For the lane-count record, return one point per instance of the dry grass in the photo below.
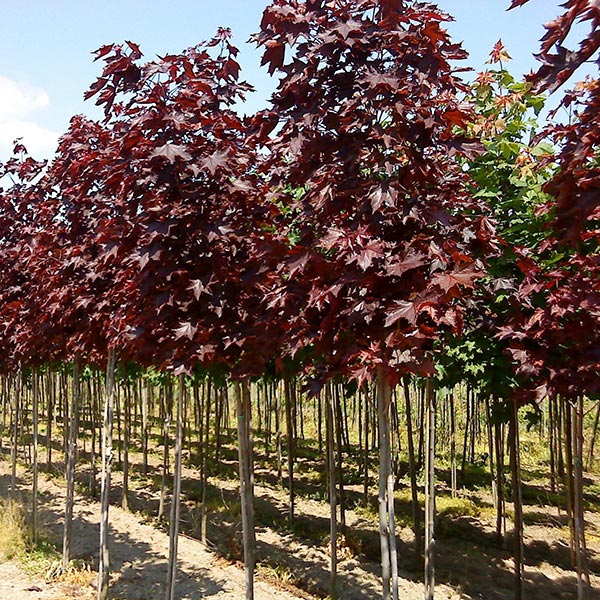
(14, 534)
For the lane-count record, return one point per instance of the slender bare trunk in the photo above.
(35, 374)
(515, 462)
(385, 470)
(175, 503)
(290, 446)
(430, 492)
(412, 468)
(242, 394)
(107, 458)
(330, 443)
(70, 465)
(205, 464)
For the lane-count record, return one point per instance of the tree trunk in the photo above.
(330, 443)
(107, 457)
(126, 440)
(590, 457)
(515, 463)
(35, 375)
(340, 457)
(453, 474)
(412, 467)
(290, 446)
(583, 576)
(384, 398)
(51, 388)
(175, 503)
(367, 412)
(242, 394)
(205, 464)
(70, 465)
(430, 492)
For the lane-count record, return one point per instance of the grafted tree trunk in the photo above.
(70, 465)
(107, 458)
(242, 396)
(175, 503)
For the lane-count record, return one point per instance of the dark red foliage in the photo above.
(366, 110)
(152, 230)
(554, 337)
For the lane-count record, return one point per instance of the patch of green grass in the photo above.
(456, 507)
(39, 560)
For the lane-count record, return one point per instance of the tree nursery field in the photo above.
(346, 347)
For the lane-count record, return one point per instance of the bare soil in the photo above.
(293, 561)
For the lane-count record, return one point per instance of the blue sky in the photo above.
(46, 65)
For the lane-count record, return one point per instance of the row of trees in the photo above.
(383, 219)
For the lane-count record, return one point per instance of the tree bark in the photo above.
(70, 465)
(330, 443)
(515, 462)
(175, 503)
(412, 467)
(35, 375)
(384, 398)
(107, 458)
(290, 446)
(242, 394)
(430, 492)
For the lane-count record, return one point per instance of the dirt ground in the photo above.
(291, 564)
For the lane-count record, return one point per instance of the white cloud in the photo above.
(17, 101)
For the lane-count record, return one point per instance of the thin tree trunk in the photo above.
(453, 474)
(242, 394)
(290, 446)
(412, 468)
(107, 458)
(165, 463)
(367, 412)
(515, 462)
(340, 459)
(430, 493)
(583, 577)
(205, 464)
(552, 446)
(49, 418)
(15, 402)
(126, 440)
(175, 503)
(385, 471)
(70, 465)
(569, 479)
(590, 457)
(35, 374)
(145, 429)
(499, 445)
(330, 443)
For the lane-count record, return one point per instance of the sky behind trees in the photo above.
(46, 65)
